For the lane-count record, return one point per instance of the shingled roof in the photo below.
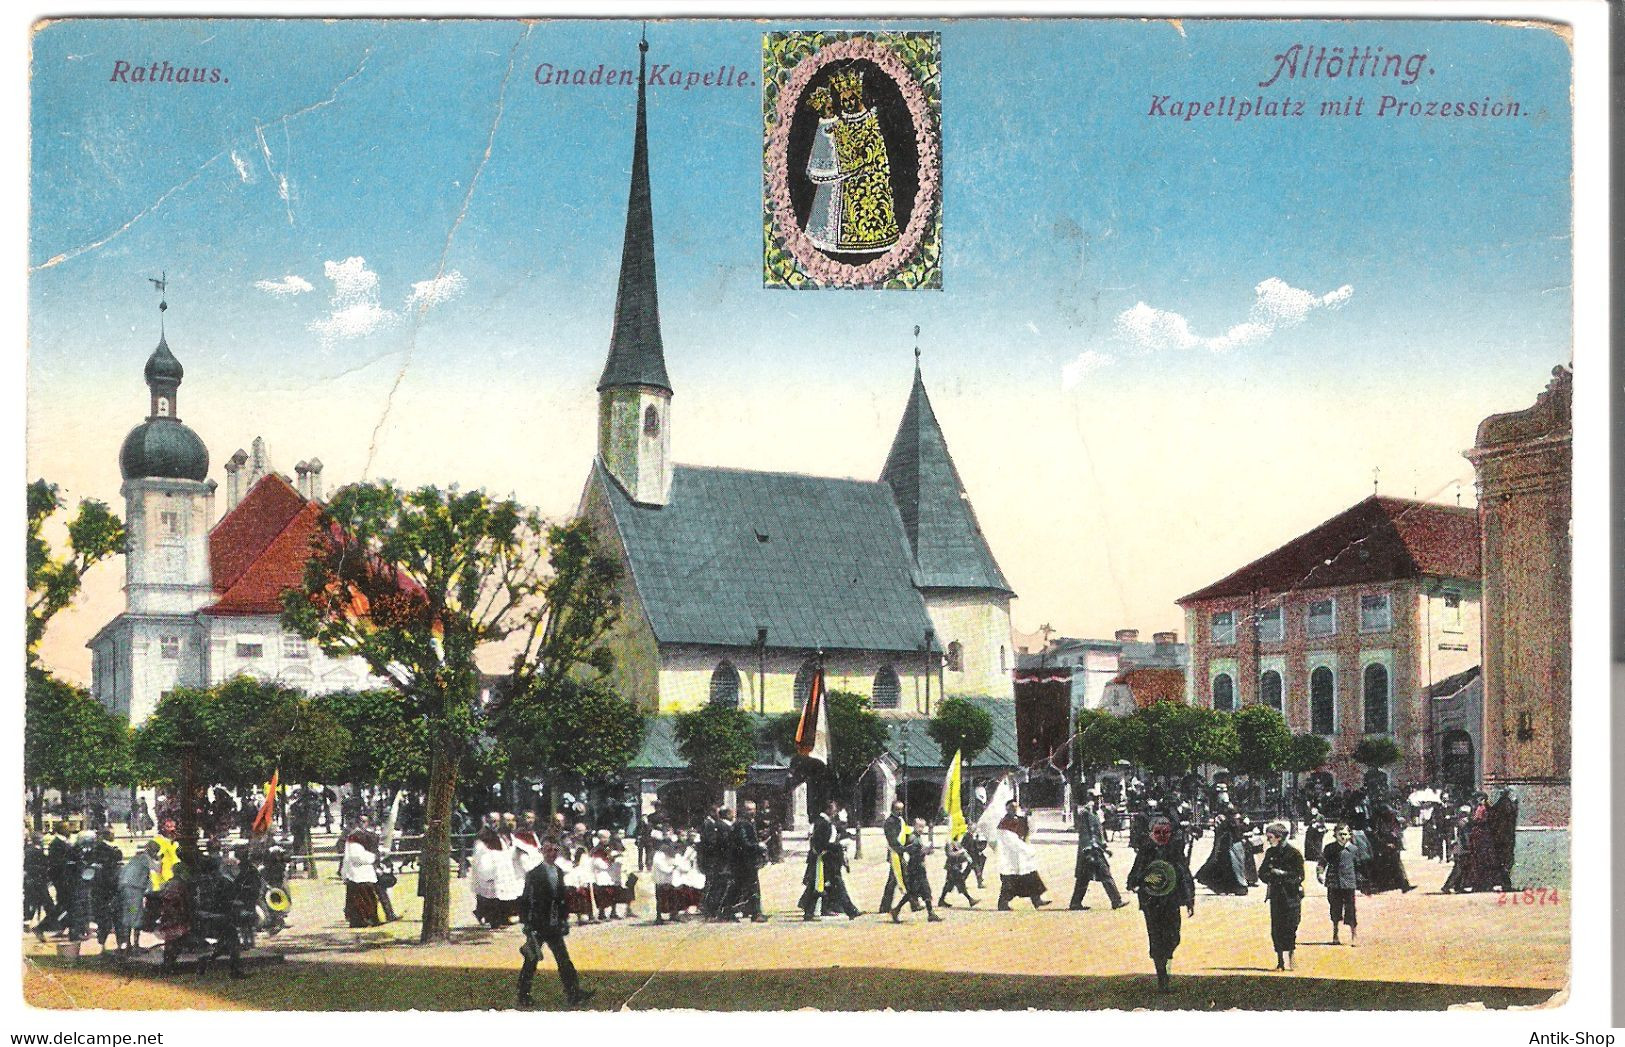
(1378, 540)
(258, 550)
(821, 562)
(947, 543)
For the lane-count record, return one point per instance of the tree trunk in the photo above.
(39, 808)
(434, 865)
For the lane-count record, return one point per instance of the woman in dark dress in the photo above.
(1282, 873)
(1314, 835)
(1225, 871)
(1386, 871)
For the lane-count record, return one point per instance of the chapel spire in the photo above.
(949, 549)
(634, 395)
(636, 355)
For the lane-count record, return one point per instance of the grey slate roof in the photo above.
(659, 751)
(636, 356)
(946, 540)
(821, 562)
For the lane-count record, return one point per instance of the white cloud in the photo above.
(1276, 305)
(426, 294)
(286, 287)
(1088, 362)
(243, 170)
(355, 303)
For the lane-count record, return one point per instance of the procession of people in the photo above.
(554, 872)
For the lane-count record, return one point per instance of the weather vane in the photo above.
(161, 283)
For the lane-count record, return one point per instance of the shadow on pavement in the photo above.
(312, 985)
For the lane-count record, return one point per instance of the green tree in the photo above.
(1176, 737)
(94, 534)
(961, 726)
(385, 746)
(1221, 741)
(70, 742)
(719, 744)
(1264, 742)
(585, 732)
(417, 584)
(1376, 751)
(1309, 753)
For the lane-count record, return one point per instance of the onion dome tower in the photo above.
(169, 501)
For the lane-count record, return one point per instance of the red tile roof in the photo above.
(1150, 686)
(258, 549)
(1380, 539)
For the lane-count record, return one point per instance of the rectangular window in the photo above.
(169, 647)
(250, 647)
(1376, 613)
(169, 523)
(1270, 624)
(1452, 611)
(1323, 618)
(1222, 627)
(295, 647)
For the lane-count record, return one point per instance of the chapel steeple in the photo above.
(634, 394)
(949, 549)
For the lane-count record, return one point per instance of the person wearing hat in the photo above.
(1282, 873)
(1091, 861)
(825, 878)
(1162, 878)
(1339, 870)
(134, 881)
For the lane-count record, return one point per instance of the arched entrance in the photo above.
(876, 792)
(1456, 764)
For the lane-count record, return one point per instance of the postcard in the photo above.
(753, 514)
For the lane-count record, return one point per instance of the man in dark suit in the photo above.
(1092, 863)
(894, 827)
(710, 858)
(748, 854)
(825, 878)
(544, 910)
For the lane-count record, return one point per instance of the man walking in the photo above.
(1091, 862)
(748, 855)
(896, 829)
(544, 910)
(825, 879)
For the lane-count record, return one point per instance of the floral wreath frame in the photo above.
(911, 60)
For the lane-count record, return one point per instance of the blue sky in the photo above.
(1065, 206)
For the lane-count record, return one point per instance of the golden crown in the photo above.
(847, 81)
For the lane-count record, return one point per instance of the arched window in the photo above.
(725, 685)
(804, 681)
(956, 657)
(1322, 701)
(887, 689)
(651, 421)
(1376, 698)
(1269, 690)
(1224, 693)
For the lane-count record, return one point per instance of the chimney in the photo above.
(1165, 639)
(234, 479)
(1128, 635)
(315, 468)
(302, 471)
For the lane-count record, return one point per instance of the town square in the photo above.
(909, 560)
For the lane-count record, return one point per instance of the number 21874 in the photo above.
(1530, 896)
